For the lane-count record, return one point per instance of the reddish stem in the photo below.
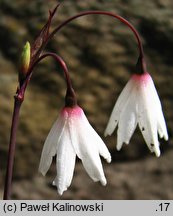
(70, 91)
(70, 99)
(11, 152)
(62, 64)
(127, 23)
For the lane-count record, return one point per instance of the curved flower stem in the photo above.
(11, 152)
(62, 64)
(58, 59)
(70, 99)
(127, 23)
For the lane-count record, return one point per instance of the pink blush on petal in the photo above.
(72, 111)
(141, 79)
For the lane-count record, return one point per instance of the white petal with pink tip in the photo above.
(138, 104)
(72, 135)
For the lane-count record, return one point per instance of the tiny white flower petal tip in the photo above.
(138, 104)
(72, 135)
(102, 180)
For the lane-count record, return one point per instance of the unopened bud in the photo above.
(25, 61)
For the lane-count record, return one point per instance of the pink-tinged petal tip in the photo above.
(72, 111)
(75, 137)
(141, 78)
(138, 104)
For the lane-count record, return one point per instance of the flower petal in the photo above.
(161, 124)
(65, 162)
(49, 148)
(86, 145)
(162, 130)
(121, 101)
(147, 116)
(103, 151)
(128, 120)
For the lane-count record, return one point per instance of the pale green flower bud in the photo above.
(25, 61)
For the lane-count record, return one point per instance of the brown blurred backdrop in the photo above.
(100, 53)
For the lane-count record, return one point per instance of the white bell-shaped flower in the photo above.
(139, 104)
(72, 135)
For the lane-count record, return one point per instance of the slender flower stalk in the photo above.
(141, 60)
(11, 153)
(70, 91)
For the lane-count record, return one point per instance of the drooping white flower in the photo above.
(139, 104)
(72, 135)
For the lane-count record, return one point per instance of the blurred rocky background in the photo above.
(101, 53)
